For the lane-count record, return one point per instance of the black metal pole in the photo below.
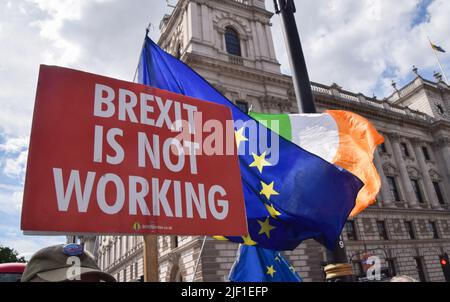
(302, 85)
(305, 100)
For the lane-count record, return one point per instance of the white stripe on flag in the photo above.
(316, 133)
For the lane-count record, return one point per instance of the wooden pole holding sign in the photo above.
(151, 266)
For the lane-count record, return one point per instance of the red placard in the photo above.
(108, 157)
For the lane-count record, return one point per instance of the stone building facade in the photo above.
(230, 43)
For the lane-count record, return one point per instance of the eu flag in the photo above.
(288, 198)
(255, 264)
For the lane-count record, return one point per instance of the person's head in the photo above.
(64, 263)
(403, 279)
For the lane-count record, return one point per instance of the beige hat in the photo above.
(52, 264)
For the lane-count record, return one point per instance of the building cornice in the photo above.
(444, 213)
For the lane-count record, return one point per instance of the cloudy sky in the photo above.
(360, 44)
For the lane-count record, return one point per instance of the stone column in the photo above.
(444, 146)
(408, 190)
(429, 188)
(385, 191)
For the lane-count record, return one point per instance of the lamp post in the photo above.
(338, 269)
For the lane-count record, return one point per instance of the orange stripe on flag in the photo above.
(358, 140)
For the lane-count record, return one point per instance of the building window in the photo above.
(440, 109)
(420, 269)
(382, 232)
(124, 275)
(178, 52)
(350, 229)
(417, 191)
(439, 194)
(390, 263)
(383, 148)
(393, 188)
(232, 42)
(404, 149)
(426, 154)
(179, 278)
(131, 271)
(175, 242)
(243, 106)
(358, 269)
(434, 229)
(410, 229)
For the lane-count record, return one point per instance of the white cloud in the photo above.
(363, 45)
(14, 153)
(10, 199)
(15, 144)
(26, 245)
(15, 167)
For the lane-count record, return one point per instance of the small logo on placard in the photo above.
(137, 226)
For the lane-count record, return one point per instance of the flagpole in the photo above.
(438, 61)
(338, 269)
(151, 263)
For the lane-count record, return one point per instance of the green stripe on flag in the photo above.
(282, 128)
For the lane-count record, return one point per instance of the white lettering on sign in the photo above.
(164, 196)
(106, 106)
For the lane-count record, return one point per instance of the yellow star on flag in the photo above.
(267, 190)
(277, 259)
(248, 240)
(272, 211)
(240, 137)
(221, 238)
(260, 162)
(271, 271)
(265, 227)
(292, 269)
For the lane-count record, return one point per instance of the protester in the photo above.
(64, 263)
(403, 279)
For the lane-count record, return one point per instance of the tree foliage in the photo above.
(9, 255)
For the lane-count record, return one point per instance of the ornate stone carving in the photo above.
(222, 20)
(413, 172)
(368, 227)
(445, 226)
(389, 169)
(397, 226)
(395, 136)
(435, 176)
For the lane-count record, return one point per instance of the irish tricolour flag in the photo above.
(340, 137)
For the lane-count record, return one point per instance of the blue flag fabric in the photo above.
(299, 197)
(255, 264)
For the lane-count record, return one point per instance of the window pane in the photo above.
(417, 191)
(243, 106)
(232, 42)
(420, 269)
(425, 153)
(410, 230)
(440, 197)
(351, 231)
(404, 148)
(434, 230)
(393, 188)
(381, 225)
(391, 266)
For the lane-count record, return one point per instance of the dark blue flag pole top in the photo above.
(297, 198)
